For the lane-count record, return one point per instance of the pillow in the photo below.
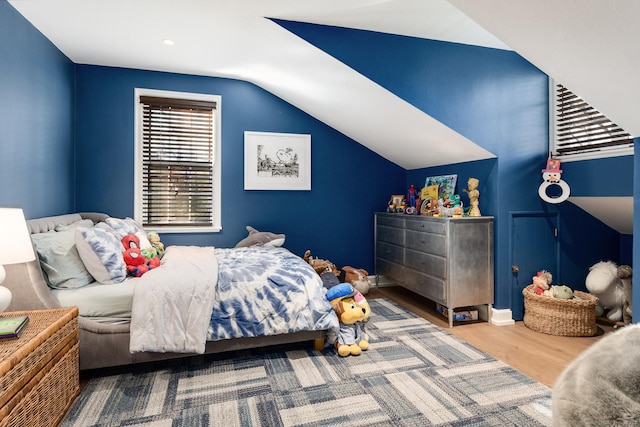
(80, 223)
(101, 251)
(129, 226)
(60, 260)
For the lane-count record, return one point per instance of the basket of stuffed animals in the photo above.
(574, 317)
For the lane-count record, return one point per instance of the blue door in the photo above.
(534, 247)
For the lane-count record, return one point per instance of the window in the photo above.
(580, 131)
(177, 161)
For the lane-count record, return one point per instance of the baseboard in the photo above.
(502, 317)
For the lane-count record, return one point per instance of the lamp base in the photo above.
(5, 294)
(5, 298)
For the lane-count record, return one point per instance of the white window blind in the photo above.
(578, 128)
(177, 162)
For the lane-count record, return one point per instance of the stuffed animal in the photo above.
(603, 282)
(137, 263)
(154, 238)
(320, 265)
(625, 274)
(562, 292)
(261, 238)
(358, 277)
(542, 281)
(352, 311)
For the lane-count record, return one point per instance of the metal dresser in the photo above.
(447, 260)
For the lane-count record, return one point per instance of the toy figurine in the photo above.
(474, 195)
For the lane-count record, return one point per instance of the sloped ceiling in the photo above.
(589, 45)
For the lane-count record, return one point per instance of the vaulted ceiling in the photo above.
(589, 45)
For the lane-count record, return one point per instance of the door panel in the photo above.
(534, 247)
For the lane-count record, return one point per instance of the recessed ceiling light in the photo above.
(168, 42)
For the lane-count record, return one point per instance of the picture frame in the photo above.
(277, 161)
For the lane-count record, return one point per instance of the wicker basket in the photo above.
(554, 316)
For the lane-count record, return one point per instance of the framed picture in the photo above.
(277, 161)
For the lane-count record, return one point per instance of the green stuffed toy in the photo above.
(562, 292)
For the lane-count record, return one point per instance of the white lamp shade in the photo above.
(15, 242)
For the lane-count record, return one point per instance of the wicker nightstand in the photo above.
(39, 372)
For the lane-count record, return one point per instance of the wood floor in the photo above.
(540, 356)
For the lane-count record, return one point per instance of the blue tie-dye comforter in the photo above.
(267, 291)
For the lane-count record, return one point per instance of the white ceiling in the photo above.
(589, 45)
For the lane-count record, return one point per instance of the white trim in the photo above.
(501, 317)
(217, 166)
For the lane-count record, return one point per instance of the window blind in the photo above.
(177, 161)
(580, 128)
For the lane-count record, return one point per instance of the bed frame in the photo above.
(106, 345)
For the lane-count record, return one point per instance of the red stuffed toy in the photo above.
(137, 263)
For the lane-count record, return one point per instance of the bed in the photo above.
(199, 300)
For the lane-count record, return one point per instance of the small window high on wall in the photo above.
(579, 131)
(177, 161)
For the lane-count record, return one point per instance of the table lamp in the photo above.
(15, 246)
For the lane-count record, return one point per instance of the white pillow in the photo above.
(60, 260)
(129, 226)
(101, 252)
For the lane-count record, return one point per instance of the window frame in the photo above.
(598, 154)
(216, 197)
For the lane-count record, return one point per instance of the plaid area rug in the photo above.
(414, 374)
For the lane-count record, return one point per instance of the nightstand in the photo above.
(39, 371)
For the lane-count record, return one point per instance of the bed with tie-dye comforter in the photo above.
(200, 294)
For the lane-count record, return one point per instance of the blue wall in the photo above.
(499, 101)
(36, 120)
(334, 219)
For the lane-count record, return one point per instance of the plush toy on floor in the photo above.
(352, 310)
(625, 274)
(358, 277)
(603, 282)
(327, 270)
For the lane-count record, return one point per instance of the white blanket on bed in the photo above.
(172, 304)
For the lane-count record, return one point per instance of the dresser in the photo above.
(447, 260)
(39, 371)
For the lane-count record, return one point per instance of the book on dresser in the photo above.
(11, 327)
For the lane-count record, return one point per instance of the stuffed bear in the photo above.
(352, 310)
(358, 277)
(137, 263)
(320, 265)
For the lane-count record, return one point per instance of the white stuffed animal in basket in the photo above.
(603, 282)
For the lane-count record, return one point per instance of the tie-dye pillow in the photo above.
(129, 226)
(101, 252)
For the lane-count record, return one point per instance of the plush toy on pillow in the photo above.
(137, 263)
(260, 238)
(154, 238)
(352, 310)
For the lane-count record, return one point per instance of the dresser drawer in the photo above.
(427, 286)
(429, 226)
(390, 252)
(435, 244)
(396, 220)
(390, 235)
(426, 263)
(390, 270)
